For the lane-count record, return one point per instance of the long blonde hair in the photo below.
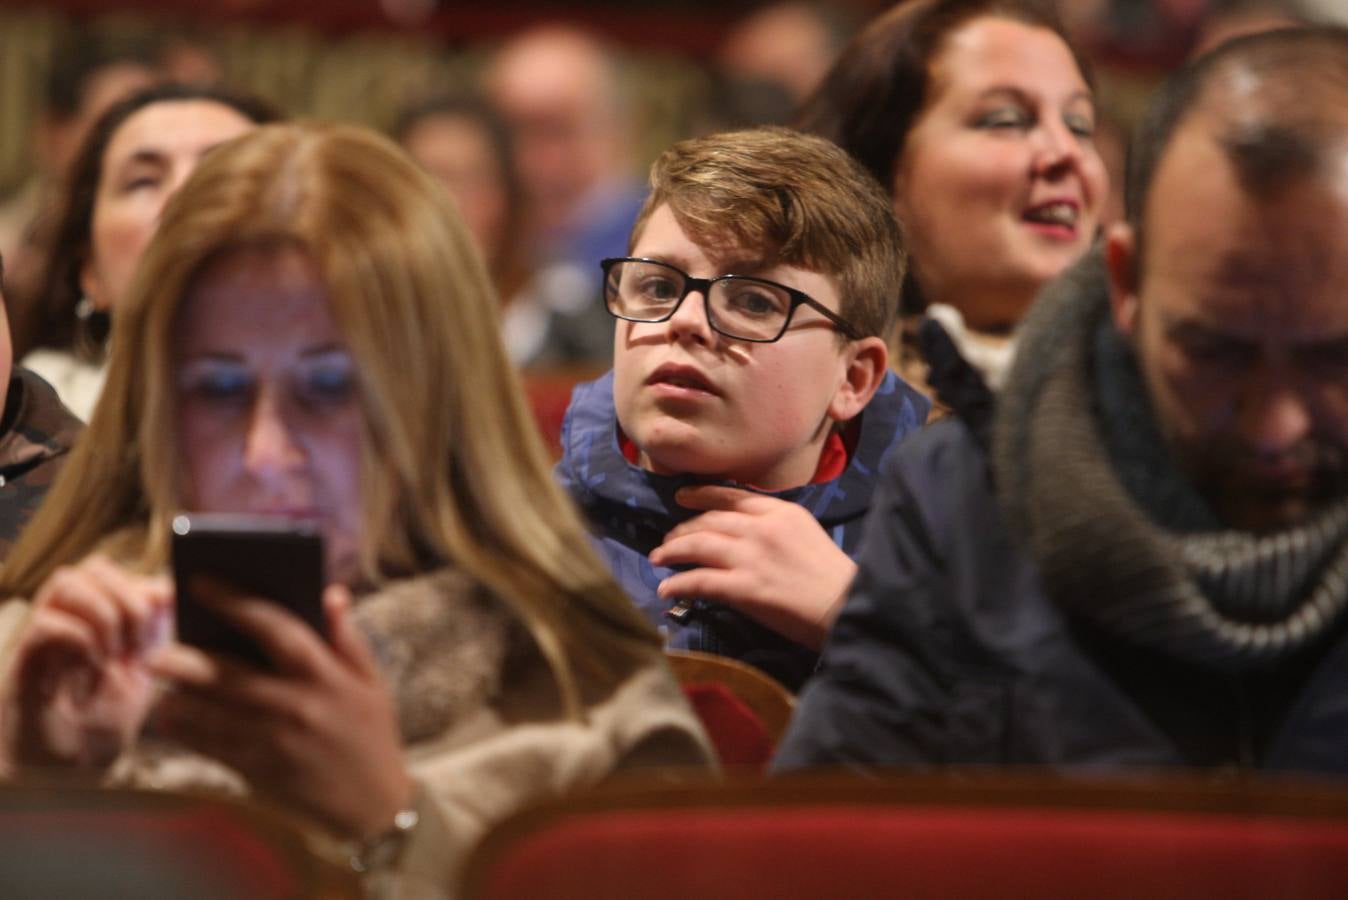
(454, 472)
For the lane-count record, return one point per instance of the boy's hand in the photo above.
(766, 557)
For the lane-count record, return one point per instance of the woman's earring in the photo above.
(84, 308)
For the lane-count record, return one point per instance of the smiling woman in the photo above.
(977, 116)
(313, 337)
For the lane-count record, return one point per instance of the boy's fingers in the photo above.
(698, 549)
(735, 524)
(723, 586)
(719, 496)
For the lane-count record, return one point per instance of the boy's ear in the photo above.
(867, 361)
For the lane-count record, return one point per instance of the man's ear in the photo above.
(867, 361)
(1121, 260)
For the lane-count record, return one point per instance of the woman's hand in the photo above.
(766, 557)
(319, 732)
(80, 686)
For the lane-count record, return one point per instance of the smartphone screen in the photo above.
(276, 559)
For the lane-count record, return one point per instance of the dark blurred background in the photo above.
(362, 60)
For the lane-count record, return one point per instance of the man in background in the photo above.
(560, 91)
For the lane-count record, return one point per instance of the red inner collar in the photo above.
(833, 458)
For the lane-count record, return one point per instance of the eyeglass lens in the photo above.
(737, 306)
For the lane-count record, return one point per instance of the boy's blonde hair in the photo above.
(778, 196)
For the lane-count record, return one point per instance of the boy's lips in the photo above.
(681, 380)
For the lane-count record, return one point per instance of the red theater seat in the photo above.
(548, 392)
(80, 844)
(927, 838)
(744, 710)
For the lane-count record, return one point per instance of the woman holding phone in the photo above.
(312, 337)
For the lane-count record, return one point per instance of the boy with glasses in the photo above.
(728, 459)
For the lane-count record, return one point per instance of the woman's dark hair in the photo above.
(49, 317)
(873, 95)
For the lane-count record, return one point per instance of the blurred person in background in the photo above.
(136, 156)
(978, 116)
(789, 44)
(36, 431)
(187, 58)
(87, 76)
(1227, 19)
(767, 64)
(314, 339)
(560, 90)
(467, 147)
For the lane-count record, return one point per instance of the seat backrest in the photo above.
(744, 710)
(548, 393)
(916, 838)
(89, 842)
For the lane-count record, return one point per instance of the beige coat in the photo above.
(482, 723)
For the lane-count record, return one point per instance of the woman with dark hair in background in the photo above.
(977, 116)
(135, 157)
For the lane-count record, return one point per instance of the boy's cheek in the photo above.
(624, 403)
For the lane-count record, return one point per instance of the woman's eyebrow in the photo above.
(1021, 95)
(144, 156)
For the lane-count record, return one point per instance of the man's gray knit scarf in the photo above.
(1084, 477)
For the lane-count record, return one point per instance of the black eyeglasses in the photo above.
(739, 307)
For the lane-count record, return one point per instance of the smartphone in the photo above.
(272, 558)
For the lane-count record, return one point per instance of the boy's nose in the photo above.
(691, 320)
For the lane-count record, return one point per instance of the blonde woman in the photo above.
(312, 336)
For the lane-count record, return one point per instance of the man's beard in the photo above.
(1226, 476)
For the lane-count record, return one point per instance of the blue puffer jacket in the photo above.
(632, 510)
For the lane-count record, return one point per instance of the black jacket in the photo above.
(948, 651)
(952, 647)
(35, 434)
